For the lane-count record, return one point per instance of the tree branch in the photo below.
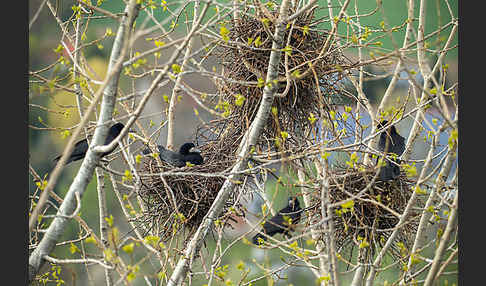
(420, 236)
(414, 131)
(102, 218)
(177, 89)
(431, 276)
(403, 218)
(80, 182)
(249, 139)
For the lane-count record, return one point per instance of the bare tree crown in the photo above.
(326, 131)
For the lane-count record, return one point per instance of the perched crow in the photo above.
(390, 142)
(278, 224)
(81, 147)
(178, 159)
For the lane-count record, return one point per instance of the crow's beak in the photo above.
(194, 149)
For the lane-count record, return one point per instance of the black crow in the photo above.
(279, 223)
(81, 147)
(390, 143)
(178, 159)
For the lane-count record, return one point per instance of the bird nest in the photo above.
(245, 62)
(370, 218)
(175, 203)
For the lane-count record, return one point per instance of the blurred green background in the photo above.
(45, 36)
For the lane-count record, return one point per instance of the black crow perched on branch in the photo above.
(390, 143)
(178, 159)
(282, 222)
(81, 147)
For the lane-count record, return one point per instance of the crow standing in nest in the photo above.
(178, 159)
(278, 223)
(390, 143)
(81, 147)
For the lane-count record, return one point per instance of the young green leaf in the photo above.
(128, 248)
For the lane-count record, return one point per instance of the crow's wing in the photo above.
(79, 151)
(274, 225)
(171, 157)
(398, 144)
(386, 172)
(194, 158)
(278, 224)
(382, 142)
(390, 171)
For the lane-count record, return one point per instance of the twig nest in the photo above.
(180, 202)
(371, 218)
(245, 57)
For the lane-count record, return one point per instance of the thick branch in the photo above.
(102, 218)
(385, 101)
(451, 224)
(84, 175)
(415, 130)
(323, 259)
(176, 90)
(403, 218)
(421, 236)
(250, 138)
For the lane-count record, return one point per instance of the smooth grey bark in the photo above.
(177, 89)
(320, 248)
(403, 217)
(451, 225)
(421, 236)
(85, 173)
(249, 139)
(102, 209)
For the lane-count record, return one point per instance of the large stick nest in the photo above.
(180, 202)
(366, 220)
(173, 202)
(303, 43)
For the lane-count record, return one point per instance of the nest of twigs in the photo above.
(301, 96)
(175, 203)
(364, 220)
